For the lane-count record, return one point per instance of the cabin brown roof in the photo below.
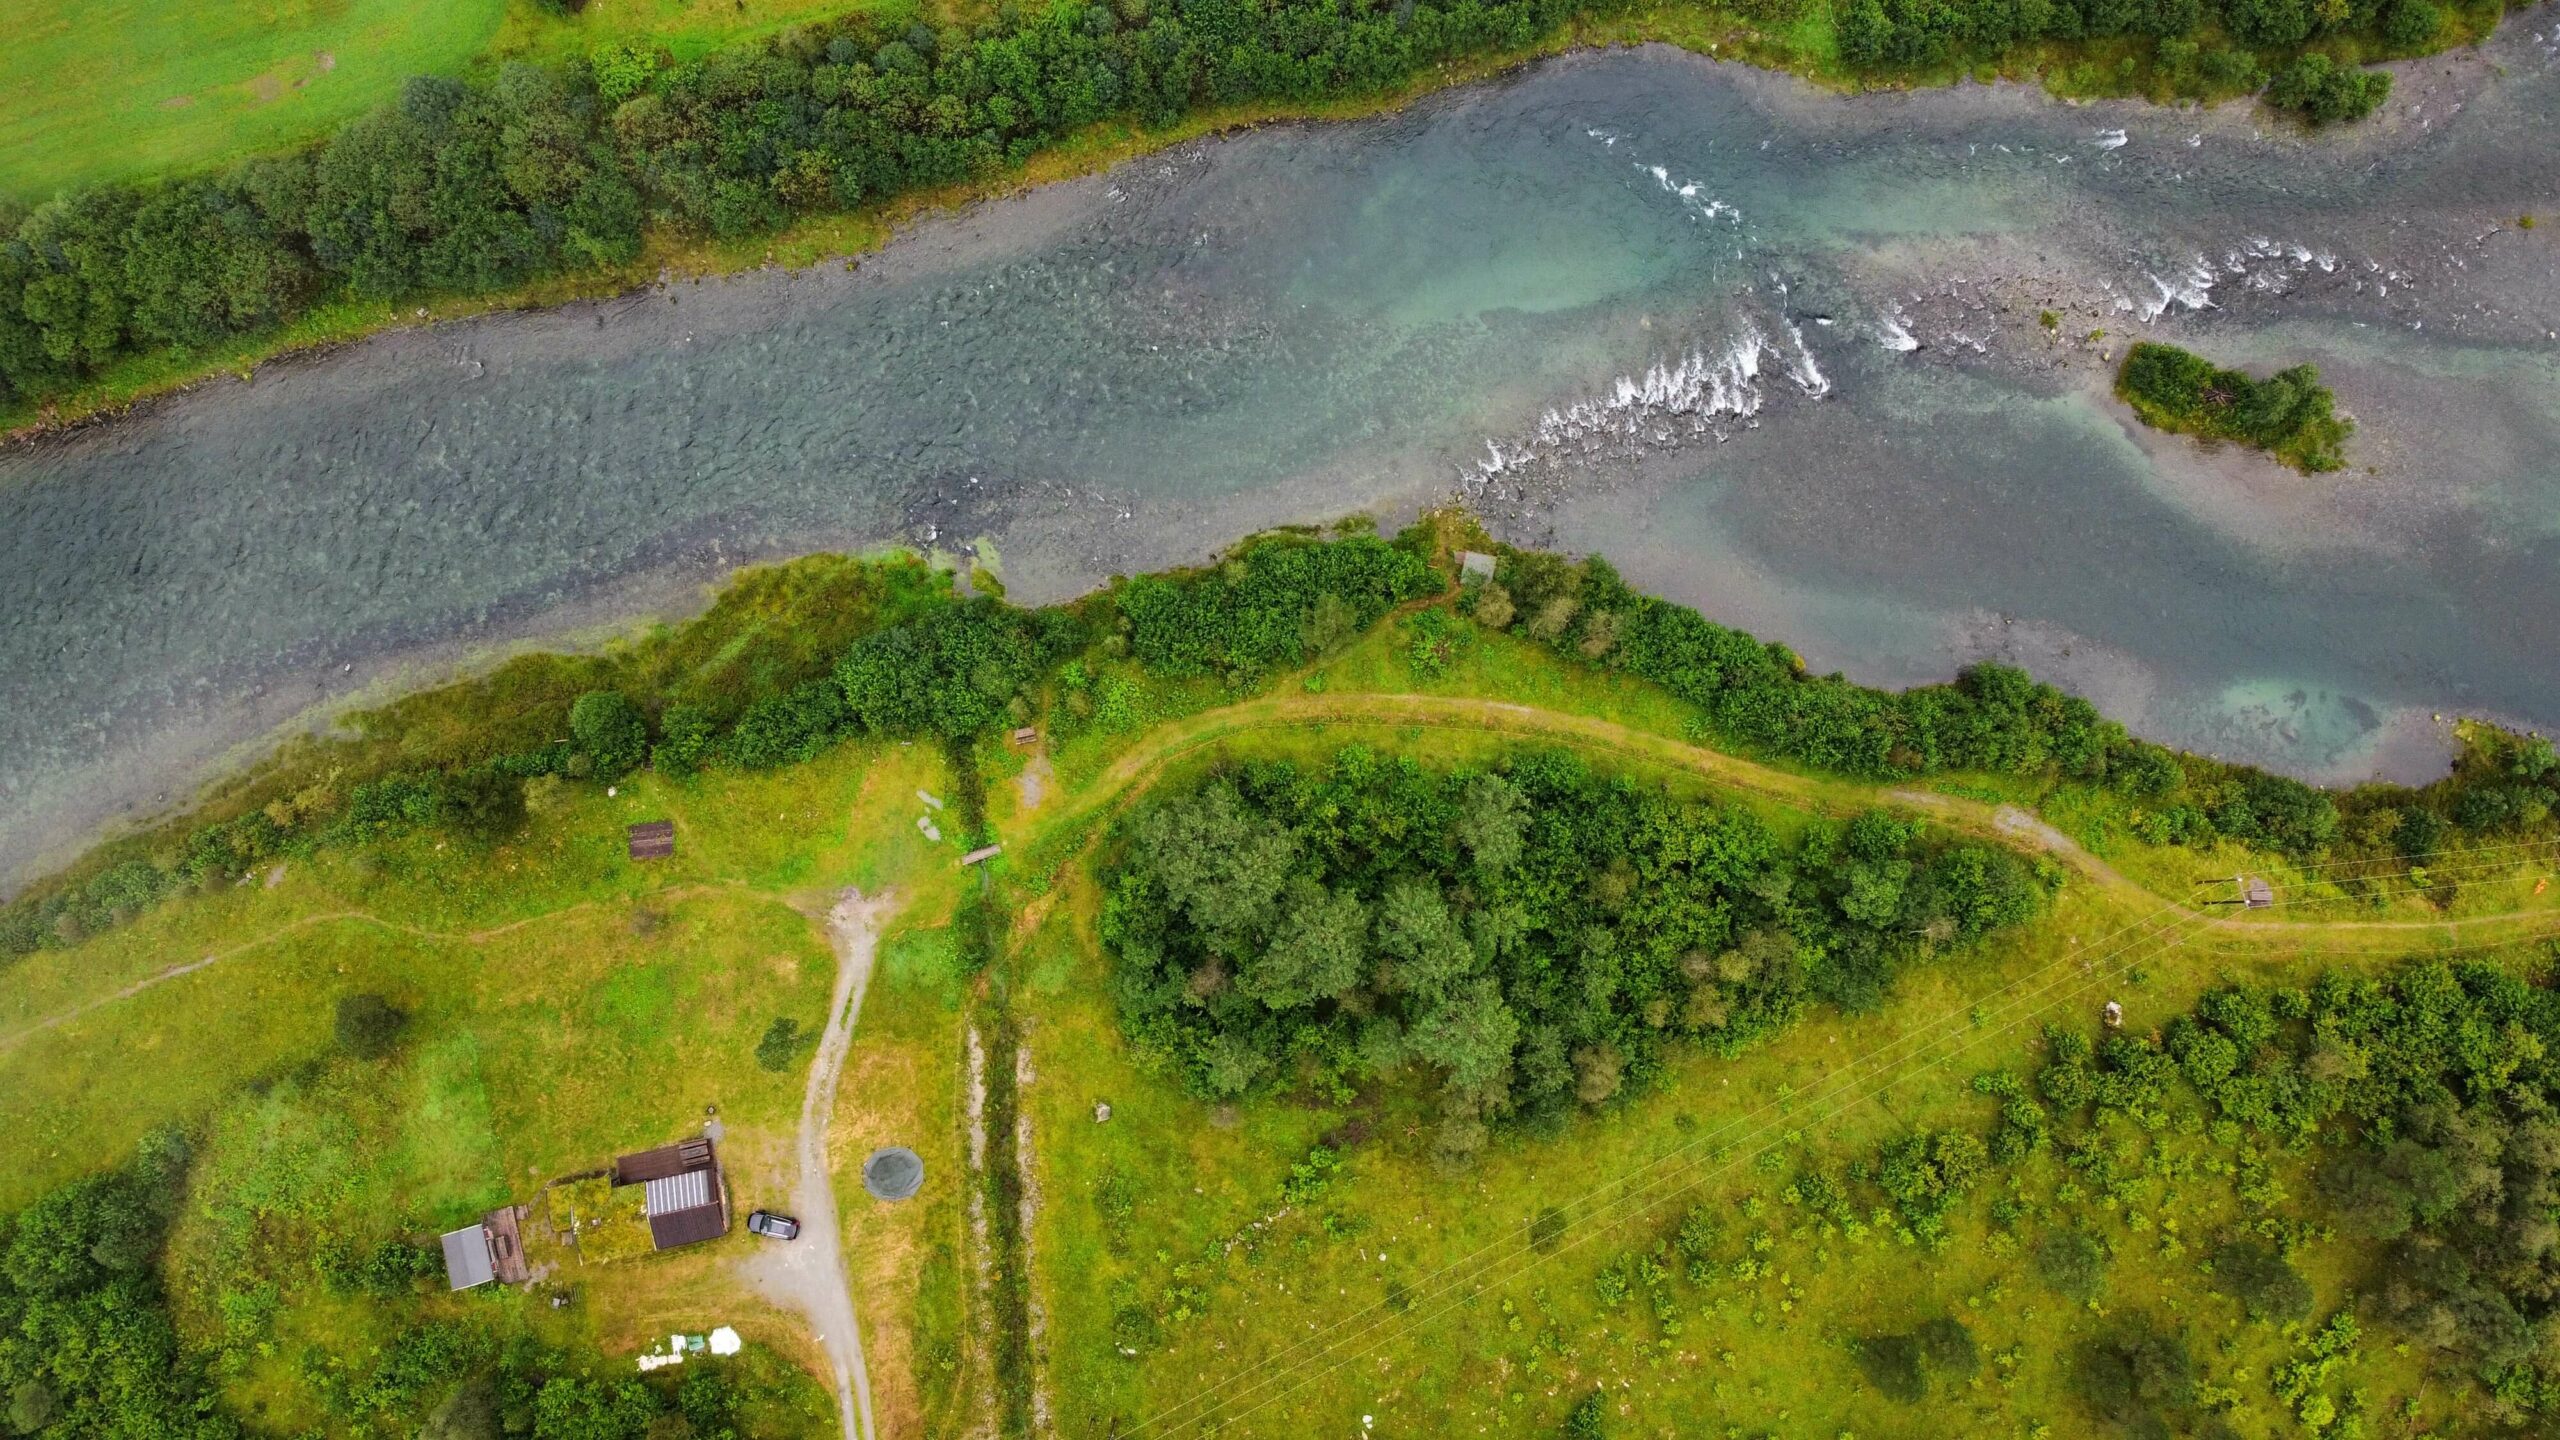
(666, 1160)
(653, 840)
(681, 1191)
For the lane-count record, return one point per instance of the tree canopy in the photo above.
(1531, 936)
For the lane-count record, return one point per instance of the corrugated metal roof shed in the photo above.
(653, 840)
(466, 1258)
(688, 1191)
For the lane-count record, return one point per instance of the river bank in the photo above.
(669, 256)
(1657, 253)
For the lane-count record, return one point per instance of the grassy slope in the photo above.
(683, 28)
(569, 1004)
(1316, 1309)
(96, 90)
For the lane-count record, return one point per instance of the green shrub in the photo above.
(2071, 1262)
(780, 1045)
(2134, 1375)
(1891, 1363)
(610, 731)
(2290, 414)
(2263, 1281)
(484, 803)
(2324, 92)
(369, 1026)
(688, 737)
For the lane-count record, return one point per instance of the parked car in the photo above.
(772, 1226)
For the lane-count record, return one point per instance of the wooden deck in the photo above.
(506, 1244)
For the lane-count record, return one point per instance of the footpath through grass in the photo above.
(566, 1004)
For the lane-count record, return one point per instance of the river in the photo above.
(1779, 354)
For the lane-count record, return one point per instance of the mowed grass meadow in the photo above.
(565, 1005)
(99, 90)
(1187, 1292)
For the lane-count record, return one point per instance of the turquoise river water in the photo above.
(1777, 353)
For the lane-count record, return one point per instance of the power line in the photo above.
(2191, 923)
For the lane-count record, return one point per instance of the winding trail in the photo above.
(1133, 773)
(808, 1274)
(366, 918)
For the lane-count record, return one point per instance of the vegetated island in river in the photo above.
(537, 179)
(1434, 888)
(2290, 414)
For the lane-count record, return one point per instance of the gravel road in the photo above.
(808, 1274)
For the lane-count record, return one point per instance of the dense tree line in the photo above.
(1533, 936)
(2290, 414)
(87, 1347)
(1274, 604)
(469, 186)
(2197, 47)
(1998, 719)
(466, 186)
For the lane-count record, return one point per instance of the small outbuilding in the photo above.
(681, 1194)
(1475, 566)
(653, 840)
(2256, 893)
(1027, 735)
(467, 1261)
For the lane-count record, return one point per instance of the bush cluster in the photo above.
(2290, 414)
(2435, 1106)
(2325, 92)
(1274, 604)
(92, 1347)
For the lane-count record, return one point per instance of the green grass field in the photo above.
(567, 1004)
(95, 90)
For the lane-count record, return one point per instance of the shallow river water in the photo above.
(1779, 354)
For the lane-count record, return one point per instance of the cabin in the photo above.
(467, 1262)
(653, 840)
(681, 1194)
(491, 1250)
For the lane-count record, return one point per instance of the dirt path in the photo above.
(1133, 773)
(332, 917)
(808, 1274)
